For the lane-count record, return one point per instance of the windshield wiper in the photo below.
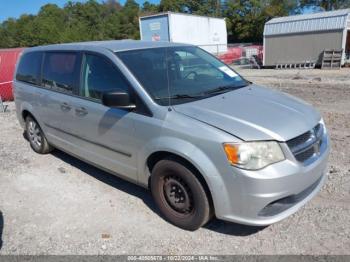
(222, 89)
(179, 96)
(218, 90)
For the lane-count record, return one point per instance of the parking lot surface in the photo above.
(57, 204)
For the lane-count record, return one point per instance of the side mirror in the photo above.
(117, 99)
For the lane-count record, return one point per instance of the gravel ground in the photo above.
(56, 204)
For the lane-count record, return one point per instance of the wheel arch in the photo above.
(157, 156)
(26, 113)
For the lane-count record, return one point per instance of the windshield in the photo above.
(175, 75)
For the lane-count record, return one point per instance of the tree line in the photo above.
(92, 20)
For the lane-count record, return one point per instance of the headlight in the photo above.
(253, 155)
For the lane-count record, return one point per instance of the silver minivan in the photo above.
(173, 118)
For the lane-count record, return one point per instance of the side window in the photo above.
(29, 68)
(149, 67)
(99, 76)
(61, 71)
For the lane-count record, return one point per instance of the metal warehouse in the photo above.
(301, 38)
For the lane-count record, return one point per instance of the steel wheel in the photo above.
(178, 195)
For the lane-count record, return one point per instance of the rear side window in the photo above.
(61, 71)
(29, 68)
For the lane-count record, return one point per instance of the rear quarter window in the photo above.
(29, 68)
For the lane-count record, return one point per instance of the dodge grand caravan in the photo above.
(173, 118)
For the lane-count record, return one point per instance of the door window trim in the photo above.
(131, 89)
(83, 59)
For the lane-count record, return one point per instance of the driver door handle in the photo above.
(65, 106)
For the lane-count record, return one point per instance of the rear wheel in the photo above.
(36, 137)
(179, 194)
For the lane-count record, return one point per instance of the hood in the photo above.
(254, 113)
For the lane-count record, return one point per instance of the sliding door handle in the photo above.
(81, 111)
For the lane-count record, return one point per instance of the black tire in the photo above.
(179, 194)
(36, 137)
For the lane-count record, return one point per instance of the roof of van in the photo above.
(113, 45)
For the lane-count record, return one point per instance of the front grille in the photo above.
(307, 145)
(299, 140)
(303, 156)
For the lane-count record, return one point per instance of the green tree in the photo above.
(130, 20)
(9, 34)
(245, 19)
(113, 5)
(93, 20)
(148, 8)
(47, 26)
(204, 7)
(172, 5)
(199, 7)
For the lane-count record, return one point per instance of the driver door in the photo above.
(103, 135)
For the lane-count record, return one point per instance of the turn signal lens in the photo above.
(231, 151)
(253, 155)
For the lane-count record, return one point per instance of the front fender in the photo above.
(20, 108)
(188, 151)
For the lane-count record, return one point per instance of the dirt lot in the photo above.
(56, 204)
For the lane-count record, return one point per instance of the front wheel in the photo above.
(179, 195)
(36, 137)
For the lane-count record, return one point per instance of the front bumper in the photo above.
(269, 195)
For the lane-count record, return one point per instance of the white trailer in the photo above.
(207, 32)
